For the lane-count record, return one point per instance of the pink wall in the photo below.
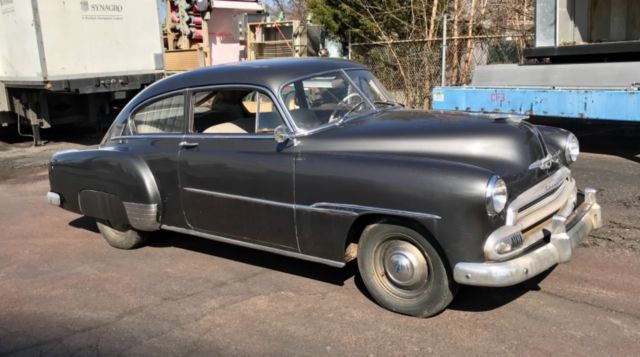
(224, 49)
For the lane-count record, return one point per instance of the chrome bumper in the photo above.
(566, 233)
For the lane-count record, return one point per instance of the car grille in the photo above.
(542, 200)
(529, 215)
(542, 197)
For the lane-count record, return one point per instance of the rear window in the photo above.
(164, 116)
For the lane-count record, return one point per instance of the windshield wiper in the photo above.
(388, 102)
(352, 109)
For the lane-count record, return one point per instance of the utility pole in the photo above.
(443, 66)
(349, 44)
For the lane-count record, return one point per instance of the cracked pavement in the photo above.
(64, 291)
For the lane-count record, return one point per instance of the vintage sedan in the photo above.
(313, 159)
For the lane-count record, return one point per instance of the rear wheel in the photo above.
(403, 272)
(121, 237)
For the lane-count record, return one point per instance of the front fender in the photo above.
(447, 198)
(556, 140)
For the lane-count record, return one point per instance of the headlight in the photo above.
(571, 149)
(496, 195)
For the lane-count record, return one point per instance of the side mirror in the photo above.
(281, 134)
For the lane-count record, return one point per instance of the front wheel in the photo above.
(122, 238)
(403, 272)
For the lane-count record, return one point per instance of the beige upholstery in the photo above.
(225, 128)
(147, 129)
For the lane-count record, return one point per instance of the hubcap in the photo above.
(404, 265)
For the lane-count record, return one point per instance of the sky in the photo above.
(162, 10)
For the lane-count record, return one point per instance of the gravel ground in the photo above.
(18, 153)
(611, 163)
(619, 183)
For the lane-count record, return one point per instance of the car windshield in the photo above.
(332, 97)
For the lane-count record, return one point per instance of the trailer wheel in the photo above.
(121, 238)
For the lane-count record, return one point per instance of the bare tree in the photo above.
(292, 9)
(401, 40)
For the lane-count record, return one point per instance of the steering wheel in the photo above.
(342, 104)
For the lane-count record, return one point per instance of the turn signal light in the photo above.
(510, 243)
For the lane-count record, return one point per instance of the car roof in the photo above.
(270, 73)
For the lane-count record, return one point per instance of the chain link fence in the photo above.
(409, 69)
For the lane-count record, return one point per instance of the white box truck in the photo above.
(68, 61)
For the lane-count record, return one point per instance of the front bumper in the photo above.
(566, 233)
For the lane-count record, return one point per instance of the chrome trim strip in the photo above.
(54, 199)
(240, 243)
(323, 207)
(328, 210)
(147, 136)
(142, 216)
(241, 198)
(358, 209)
(195, 136)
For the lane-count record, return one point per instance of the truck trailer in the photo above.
(69, 61)
(585, 65)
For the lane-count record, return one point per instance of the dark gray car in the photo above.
(312, 158)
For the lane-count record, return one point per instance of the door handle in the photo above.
(188, 145)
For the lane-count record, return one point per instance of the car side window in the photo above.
(164, 116)
(234, 111)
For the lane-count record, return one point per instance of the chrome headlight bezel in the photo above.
(571, 149)
(496, 195)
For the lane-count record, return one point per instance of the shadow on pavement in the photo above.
(478, 299)
(167, 239)
(86, 223)
(468, 298)
(316, 271)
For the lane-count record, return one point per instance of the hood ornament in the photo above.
(544, 163)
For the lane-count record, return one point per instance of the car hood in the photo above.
(505, 147)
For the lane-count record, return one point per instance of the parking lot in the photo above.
(64, 291)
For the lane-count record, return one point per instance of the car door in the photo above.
(153, 132)
(235, 180)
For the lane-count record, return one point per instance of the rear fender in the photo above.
(107, 184)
